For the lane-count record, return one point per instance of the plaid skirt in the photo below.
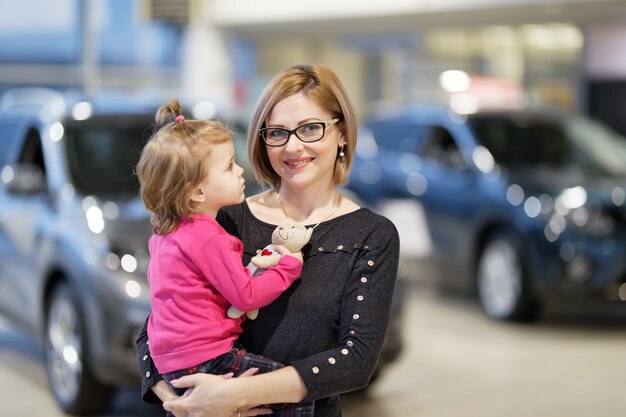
(238, 360)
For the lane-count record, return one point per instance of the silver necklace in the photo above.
(339, 200)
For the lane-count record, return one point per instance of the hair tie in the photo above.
(180, 118)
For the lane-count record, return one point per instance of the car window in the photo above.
(8, 135)
(520, 141)
(405, 137)
(440, 146)
(102, 154)
(32, 152)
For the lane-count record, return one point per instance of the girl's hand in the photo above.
(284, 251)
(209, 396)
(165, 393)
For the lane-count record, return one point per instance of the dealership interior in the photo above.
(449, 95)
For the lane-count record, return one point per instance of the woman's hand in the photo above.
(209, 396)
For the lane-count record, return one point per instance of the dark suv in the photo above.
(522, 206)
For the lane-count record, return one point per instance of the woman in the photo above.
(330, 325)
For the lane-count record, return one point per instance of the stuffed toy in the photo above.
(293, 237)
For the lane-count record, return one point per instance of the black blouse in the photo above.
(330, 324)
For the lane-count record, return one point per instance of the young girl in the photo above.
(187, 173)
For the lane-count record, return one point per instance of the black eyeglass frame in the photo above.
(324, 125)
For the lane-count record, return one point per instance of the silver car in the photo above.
(73, 240)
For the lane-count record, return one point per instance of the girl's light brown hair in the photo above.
(173, 164)
(321, 85)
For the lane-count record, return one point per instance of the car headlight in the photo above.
(129, 270)
(592, 220)
(569, 210)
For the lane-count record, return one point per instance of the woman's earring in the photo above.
(341, 154)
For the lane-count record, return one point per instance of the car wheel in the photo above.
(502, 279)
(71, 380)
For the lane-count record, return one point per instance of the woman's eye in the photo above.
(312, 128)
(276, 133)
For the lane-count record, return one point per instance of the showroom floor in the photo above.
(456, 363)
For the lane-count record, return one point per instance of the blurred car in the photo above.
(73, 238)
(521, 207)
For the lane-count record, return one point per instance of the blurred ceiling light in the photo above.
(618, 196)
(538, 36)
(464, 103)
(82, 111)
(112, 261)
(554, 36)
(409, 162)
(500, 35)
(132, 288)
(416, 184)
(571, 37)
(572, 198)
(111, 210)
(204, 110)
(128, 263)
(7, 174)
(95, 219)
(532, 207)
(56, 132)
(67, 191)
(547, 203)
(483, 159)
(515, 194)
(366, 148)
(454, 81)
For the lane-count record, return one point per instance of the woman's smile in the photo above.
(297, 163)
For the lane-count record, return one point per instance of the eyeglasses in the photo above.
(308, 132)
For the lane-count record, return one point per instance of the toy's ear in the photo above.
(309, 233)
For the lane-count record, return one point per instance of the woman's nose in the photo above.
(293, 143)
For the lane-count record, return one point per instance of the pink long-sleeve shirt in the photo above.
(195, 274)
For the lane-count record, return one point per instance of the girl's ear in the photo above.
(198, 196)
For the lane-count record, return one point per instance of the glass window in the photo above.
(103, 152)
(398, 137)
(439, 145)
(566, 142)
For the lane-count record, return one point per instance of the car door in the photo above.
(450, 198)
(25, 208)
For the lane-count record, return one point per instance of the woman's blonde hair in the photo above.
(320, 84)
(173, 164)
